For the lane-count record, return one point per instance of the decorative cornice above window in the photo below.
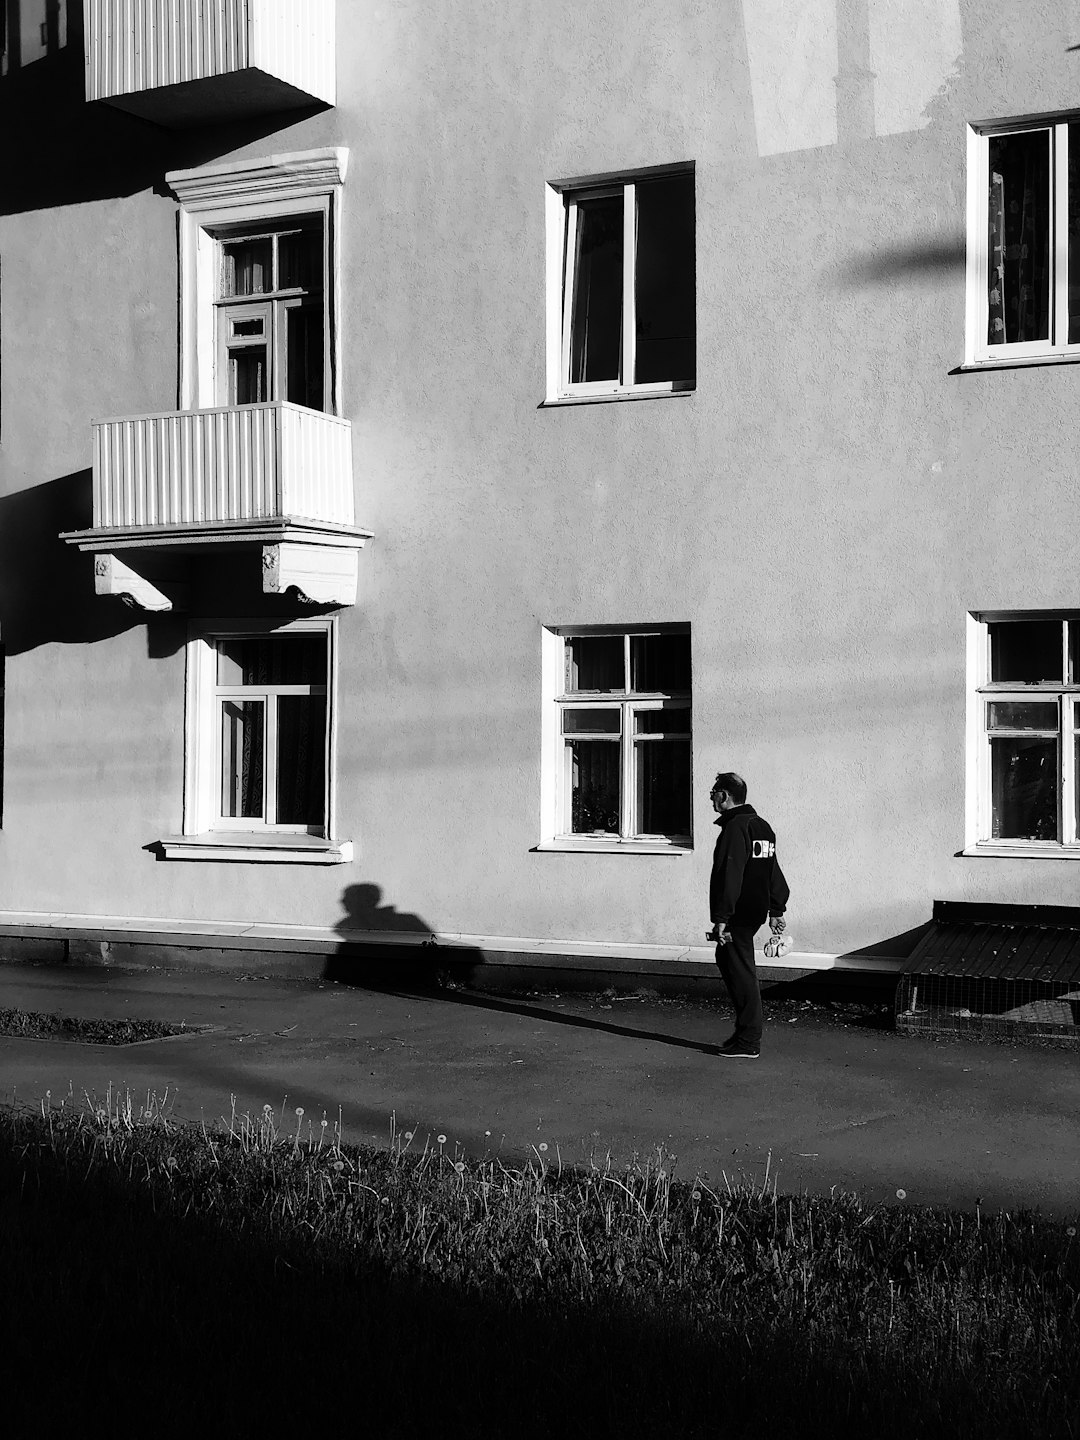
(256, 182)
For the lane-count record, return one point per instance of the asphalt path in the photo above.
(829, 1105)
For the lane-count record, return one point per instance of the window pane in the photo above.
(242, 759)
(663, 787)
(1023, 715)
(248, 267)
(1074, 652)
(664, 280)
(595, 722)
(272, 660)
(1024, 786)
(595, 662)
(1074, 234)
(241, 328)
(247, 375)
(301, 760)
(1019, 238)
(594, 787)
(659, 662)
(304, 356)
(1025, 652)
(662, 722)
(300, 259)
(596, 315)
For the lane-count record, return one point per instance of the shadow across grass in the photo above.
(231, 1281)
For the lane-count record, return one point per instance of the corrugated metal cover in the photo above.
(1001, 942)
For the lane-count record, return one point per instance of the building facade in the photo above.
(434, 440)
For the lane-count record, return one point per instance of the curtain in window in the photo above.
(301, 768)
(1019, 238)
(594, 798)
(242, 759)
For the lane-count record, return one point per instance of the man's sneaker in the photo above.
(739, 1050)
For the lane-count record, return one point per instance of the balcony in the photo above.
(198, 62)
(275, 476)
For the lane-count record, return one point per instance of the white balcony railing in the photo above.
(233, 58)
(195, 468)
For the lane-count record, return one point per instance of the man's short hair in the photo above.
(734, 784)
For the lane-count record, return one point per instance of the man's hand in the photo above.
(718, 934)
(777, 924)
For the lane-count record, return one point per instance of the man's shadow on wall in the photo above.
(395, 952)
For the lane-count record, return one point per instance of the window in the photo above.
(1025, 730)
(259, 282)
(621, 286)
(3, 667)
(270, 330)
(618, 738)
(259, 738)
(1024, 242)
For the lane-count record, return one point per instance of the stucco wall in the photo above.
(823, 510)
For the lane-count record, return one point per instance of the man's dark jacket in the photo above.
(747, 885)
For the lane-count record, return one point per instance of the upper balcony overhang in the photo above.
(276, 476)
(198, 62)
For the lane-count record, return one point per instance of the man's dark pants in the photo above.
(736, 962)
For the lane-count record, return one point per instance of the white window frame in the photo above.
(253, 194)
(561, 207)
(554, 788)
(1056, 347)
(207, 833)
(981, 689)
(271, 308)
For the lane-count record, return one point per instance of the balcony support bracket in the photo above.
(319, 574)
(113, 577)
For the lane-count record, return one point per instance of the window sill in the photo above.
(1021, 852)
(588, 845)
(643, 394)
(1016, 362)
(270, 849)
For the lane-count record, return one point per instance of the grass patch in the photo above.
(265, 1274)
(31, 1025)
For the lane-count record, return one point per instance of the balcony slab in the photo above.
(182, 63)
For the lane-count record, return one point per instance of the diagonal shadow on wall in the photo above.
(56, 149)
(46, 586)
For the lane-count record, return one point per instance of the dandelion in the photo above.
(696, 1197)
(300, 1112)
(173, 1162)
(1071, 1231)
(408, 1134)
(901, 1194)
(542, 1145)
(488, 1133)
(441, 1139)
(268, 1109)
(324, 1122)
(339, 1165)
(459, 1167)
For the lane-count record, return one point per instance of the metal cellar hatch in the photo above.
(994, 972)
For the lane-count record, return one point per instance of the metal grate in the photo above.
(994, 972)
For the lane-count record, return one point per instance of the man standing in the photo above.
(747, 887)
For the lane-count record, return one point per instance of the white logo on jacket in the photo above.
(763, 850)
